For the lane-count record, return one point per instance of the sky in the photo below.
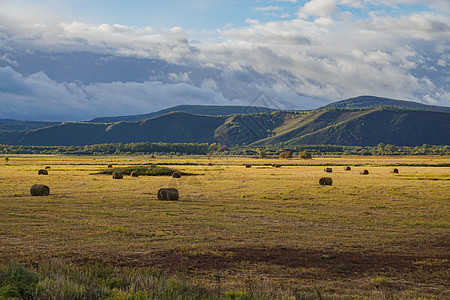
(75, 60)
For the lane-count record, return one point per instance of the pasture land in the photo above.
(260, 231)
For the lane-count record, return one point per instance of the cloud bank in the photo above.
(326, 53)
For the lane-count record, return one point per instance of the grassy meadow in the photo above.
(236, 232)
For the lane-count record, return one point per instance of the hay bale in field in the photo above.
(248, 166)
(277, 166)
(47, 167)
(42, 172)
(347, 169)
(326, 181)
(395, 170)
(110, 166)
(134, 174)
(168, 194)
(328, 170)
(176, 175)
(39, 190)
(117, 175)
(364, 172)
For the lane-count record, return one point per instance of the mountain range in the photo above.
(360, 121)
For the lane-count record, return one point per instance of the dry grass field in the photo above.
(259, 230)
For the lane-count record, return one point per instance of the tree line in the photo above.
(218, 149)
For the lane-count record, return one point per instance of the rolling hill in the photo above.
(364, 128)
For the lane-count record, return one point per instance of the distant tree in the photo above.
(286, 154)
(305, 155)
(262, 154)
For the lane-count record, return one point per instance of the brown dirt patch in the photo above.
(335, 264)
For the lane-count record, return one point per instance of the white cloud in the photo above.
(37, 97)
(268, 8)
(179, 77)
(425, 26)
(301, 63)
(318, 8)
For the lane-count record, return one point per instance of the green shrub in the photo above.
(150, 170)
(286, 154)
(305, 155)
(18, 282)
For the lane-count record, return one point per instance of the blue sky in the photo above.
(189, 14)
(197, 14)
(76, 60)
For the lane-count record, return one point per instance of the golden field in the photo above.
(380, 235)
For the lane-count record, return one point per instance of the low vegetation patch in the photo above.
(425, 176)
(142, 170)
(55, 279)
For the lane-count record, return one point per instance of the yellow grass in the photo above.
(377, 235)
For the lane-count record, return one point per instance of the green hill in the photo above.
(365, 128)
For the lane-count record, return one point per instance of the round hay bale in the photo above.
(117, 175)
(168, 194)
(39, 190)
(47, 167)
(248, 166)
(364, 172)
(42, 172)
(394, 171)
(326, 181)
(328, 170)
(110, 166)
(176, 175)
(134, 174)
(347, 169)
(277, 166)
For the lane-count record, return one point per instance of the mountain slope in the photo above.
(208, 110)
(373, 102)
(367, 128)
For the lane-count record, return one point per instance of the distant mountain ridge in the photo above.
(373, 102)
(365, 127)
(354, 125)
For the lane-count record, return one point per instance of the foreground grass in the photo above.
(236, 232)
(54, 279)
